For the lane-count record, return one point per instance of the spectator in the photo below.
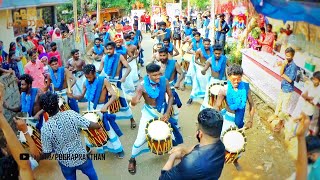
(32, 38)
(267, 43)
(17, 57)
(43, 57)
(288, 30)
(143, 22)
(27, 43)
(35, 69)
(288, 74)
(135, 19)
(308, 151)
(127, 28)
(11, 64)
(21, 51)
(205, 160)
(55, 53)
(221, 28)
(3, 54)
(148, 22)
(7, 164)
(63, 26)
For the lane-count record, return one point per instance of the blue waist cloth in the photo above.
(177, 135)
(176, 99)
(112, 120)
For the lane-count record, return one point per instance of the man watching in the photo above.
(205, 160)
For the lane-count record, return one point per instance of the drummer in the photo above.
(75, 65)
(133, 53)
(97, 90)
(199, 80)
(153, 89)
(59, 77)
(236, 94)
(128, 85)
(171, 69)
(31, 105)
(97, 52)
(218, 71)
(113, 72)
(192, 49)
(155, 57)
(162, 29)
(170, 47)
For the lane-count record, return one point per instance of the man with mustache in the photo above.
(217, 63)
(111, 67)
(97, 90)
(200, 80)
(236, 94)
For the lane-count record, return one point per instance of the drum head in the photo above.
(159, 130)
(233, 141)
(91, 116)
(215, 89)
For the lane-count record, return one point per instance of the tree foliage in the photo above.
(200, 4)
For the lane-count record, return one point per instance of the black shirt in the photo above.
(203, 163)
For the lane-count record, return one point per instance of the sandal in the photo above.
(133, 124)
(132, 167)
(279, 126)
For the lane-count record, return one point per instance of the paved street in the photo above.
(265, 156)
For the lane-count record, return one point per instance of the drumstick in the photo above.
(92, 111)
(26, 118)
(243, 129)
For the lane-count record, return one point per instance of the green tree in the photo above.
(201, 4)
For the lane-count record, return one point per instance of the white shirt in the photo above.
(314, 92)
(61, 135)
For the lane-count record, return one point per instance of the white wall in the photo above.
(6, 35)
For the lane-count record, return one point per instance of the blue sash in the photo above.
(161, 98)
(135, 41)
(195, 47)
(122, 50)
(187, 31)
(160, 101)
(221, 67)
(170, 69)
(239, 113)
(168, 73)
(168, 33)
(106, 38)
(175, 130)
(59, 81)
(204, 52)
(98, 51)
(138, 34)
(106, 116)
(113, 67)
(170, 48)
(33, 95)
